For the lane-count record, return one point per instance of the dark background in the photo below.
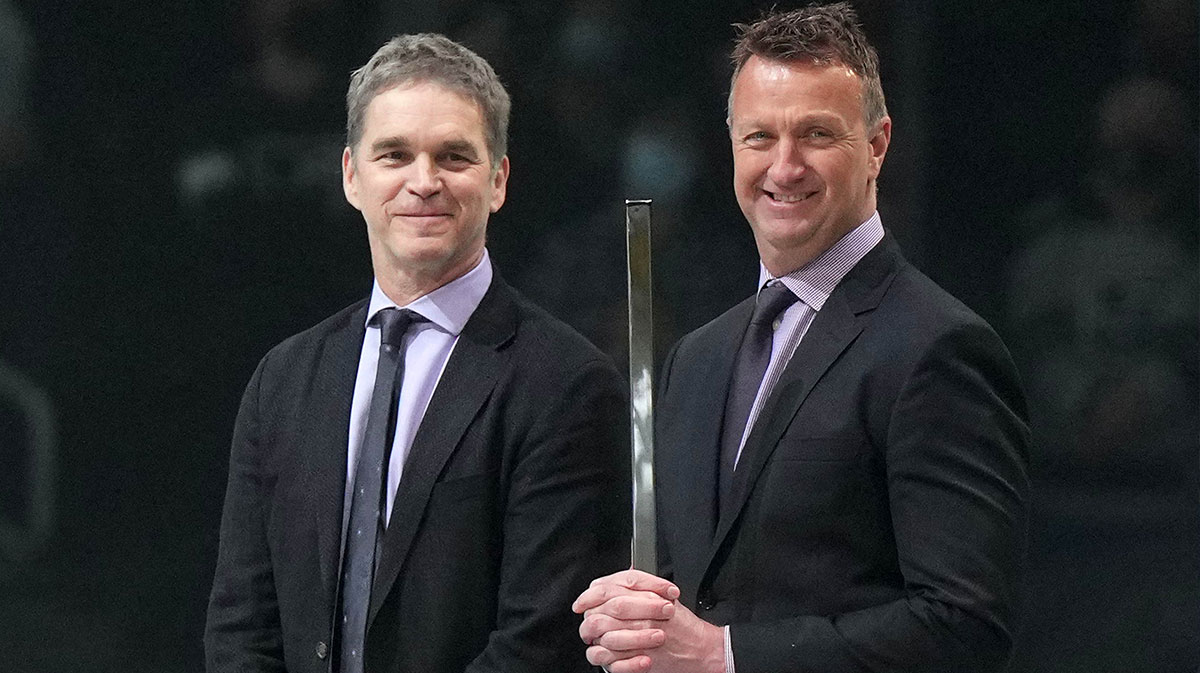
(170, 207)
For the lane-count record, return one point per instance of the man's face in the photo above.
(804, 163)
(422, 177)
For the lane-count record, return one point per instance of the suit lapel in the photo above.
(465, 385)
(834, 328)
(326, 441)
(699, 443)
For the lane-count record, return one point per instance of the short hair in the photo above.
(817, 34)
(429, 57)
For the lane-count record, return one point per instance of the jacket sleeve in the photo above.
(243, 632)
(566, 522)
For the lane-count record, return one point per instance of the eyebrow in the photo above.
(831, 122)
(399, 143)
(460, 147)
(392, 143)
(824, 119)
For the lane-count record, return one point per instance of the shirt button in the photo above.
(322, 650)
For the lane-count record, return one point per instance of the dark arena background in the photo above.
(171, 207)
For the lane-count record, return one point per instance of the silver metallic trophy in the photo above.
(641, 382)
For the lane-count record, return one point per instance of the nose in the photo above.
(787, 163)
(424, 179)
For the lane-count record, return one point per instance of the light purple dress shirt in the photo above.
(427, 348)
(812, 283)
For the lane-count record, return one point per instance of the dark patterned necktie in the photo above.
(749, 367)
(366, 504)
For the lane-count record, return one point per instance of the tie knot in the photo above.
(394, 322)
(772, 300)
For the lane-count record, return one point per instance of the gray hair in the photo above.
(428, 57)
(817, 34)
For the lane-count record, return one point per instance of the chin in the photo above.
(429, 259)
(787, 233)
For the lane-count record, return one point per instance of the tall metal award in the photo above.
(641, 382)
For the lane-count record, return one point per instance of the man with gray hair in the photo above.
(841, 458)
(421, 482)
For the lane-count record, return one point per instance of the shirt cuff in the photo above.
(728, 652)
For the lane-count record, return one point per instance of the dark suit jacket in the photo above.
(513, 498)
(877, 517)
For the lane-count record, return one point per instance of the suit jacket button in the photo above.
(705, 603)
(322, 650)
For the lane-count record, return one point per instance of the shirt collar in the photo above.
(815, 281)
(448, 307)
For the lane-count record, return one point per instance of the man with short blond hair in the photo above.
(841, 458)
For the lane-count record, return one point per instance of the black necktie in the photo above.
(749, 367)
(366, 512)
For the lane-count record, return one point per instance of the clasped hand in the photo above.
(634, 623)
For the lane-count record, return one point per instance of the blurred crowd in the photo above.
(1101, 310)
(171, 206)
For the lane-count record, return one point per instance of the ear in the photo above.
(349, 178)
(879, 144)
(499, 184)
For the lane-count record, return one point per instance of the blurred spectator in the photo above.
(16, 56)
(660, 158)
(29, 448)
(1104, 303)
(258, 188)
(487, 27)
(657, 161)
(1164, 42)
(34, 255)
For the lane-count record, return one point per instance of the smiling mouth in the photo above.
(788, 198)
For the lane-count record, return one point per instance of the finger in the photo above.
(638, 664)
(596, 625)
(596, 595)
(600, 590)
(599, 594)
(597, 591)
(642, 605)
(618, 662)
(641, 581)
(624, 641)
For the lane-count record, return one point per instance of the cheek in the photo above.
(835, 173)
(745, 176)
(379, 189)
(751, 166)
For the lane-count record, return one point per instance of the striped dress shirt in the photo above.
(812, 284)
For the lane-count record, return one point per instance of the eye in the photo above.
(756, 138)
(457, 160)
(395, 157)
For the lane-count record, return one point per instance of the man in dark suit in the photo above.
(421, 482)
(841, 459)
